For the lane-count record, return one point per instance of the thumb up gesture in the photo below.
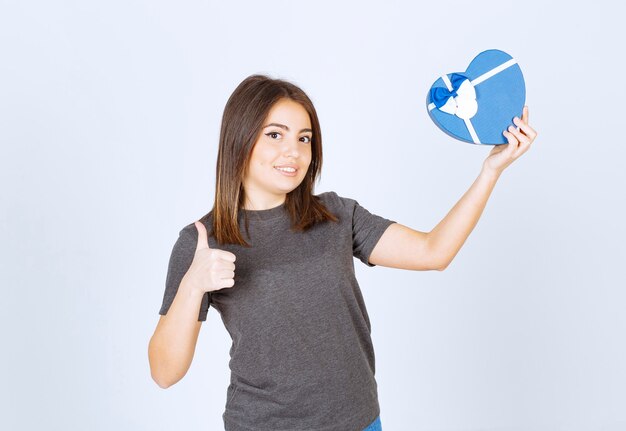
(211, 268)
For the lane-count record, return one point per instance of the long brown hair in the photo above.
(246, 110)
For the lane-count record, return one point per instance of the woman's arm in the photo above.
(447, 238)
(173, 343)
(405, 248)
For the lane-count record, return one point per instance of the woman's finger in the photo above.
(519, 135)
(529, 131)
(512, 141)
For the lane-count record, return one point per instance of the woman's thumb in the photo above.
(203, 241)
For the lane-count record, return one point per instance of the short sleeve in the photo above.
(180, 260)
(367, 228)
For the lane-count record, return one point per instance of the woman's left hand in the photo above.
(520, 138)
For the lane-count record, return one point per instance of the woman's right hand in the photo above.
(211, 268)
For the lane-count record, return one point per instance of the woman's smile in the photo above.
(287, 170)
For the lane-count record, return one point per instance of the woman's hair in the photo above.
(246, 110)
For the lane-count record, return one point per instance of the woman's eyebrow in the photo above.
(282, 126)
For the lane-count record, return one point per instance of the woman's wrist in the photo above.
(490, 173)
(190, 288)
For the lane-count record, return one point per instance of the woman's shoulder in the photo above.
(191, 231)
(336, 201)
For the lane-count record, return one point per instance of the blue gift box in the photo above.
(477, 105)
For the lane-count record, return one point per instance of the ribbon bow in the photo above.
(458, 99)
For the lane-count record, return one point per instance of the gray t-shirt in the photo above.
(302, 357)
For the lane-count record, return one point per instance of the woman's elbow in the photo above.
(158, 368)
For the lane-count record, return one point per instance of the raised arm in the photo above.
(404, 248)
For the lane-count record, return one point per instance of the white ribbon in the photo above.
(464, 105)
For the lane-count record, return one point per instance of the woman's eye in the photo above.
(270, 134)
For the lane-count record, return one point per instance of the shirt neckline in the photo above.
(266, 214)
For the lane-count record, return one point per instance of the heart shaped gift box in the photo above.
(477, 105)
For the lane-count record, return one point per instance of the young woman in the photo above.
(276, 261)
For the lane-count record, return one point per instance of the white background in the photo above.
(109, 125)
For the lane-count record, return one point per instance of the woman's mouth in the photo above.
(287, 171)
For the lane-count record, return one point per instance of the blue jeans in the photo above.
(374, 426)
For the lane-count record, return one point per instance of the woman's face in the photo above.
(284, 141)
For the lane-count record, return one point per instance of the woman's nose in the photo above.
(291, 148)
